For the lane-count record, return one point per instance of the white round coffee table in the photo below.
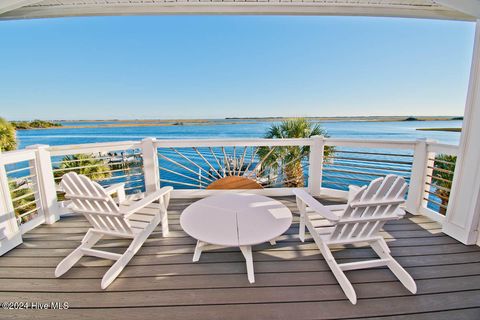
(235, 220)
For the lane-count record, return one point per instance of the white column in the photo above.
(46, 183)
(315, 165)
(463, 211)
(10, 235)
(150, 165)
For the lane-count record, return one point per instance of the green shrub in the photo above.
(442, 178)
(8, 139)
(35, 124)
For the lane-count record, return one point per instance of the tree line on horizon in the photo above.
(34, 124)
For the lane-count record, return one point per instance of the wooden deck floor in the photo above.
(292, 279)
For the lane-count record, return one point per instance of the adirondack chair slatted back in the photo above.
(91, 199)
(369, 209)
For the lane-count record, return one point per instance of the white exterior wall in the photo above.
(462, 220)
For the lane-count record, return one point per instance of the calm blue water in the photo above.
(95, 123)
(402, 130)
(351, 165)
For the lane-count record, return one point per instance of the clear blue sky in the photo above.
(224, 66)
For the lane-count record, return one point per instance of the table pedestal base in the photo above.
(247, 254)
(246, 251)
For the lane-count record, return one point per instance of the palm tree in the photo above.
(442, 177)
(8, 139)
(288, 160)
(86, 164)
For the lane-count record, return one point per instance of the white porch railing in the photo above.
(325, 166)
(25, 182)
(357, 162)
(191, 166)
(107, 163)
(438, 177)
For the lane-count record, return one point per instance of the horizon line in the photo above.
(247, 118)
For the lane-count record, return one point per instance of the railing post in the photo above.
(10, 235)
(150, 165)
(418, 188)
(315, 165)
(46, 183)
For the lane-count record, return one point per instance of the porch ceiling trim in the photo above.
(28, 9)
(469, 7)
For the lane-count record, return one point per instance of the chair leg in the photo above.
(338, 273)
(69, 261)
(381, 249)
(115, 269)
(301, 230)
(132, 249)
(164, 221)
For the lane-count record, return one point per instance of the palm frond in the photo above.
(289, 159)
(86, 164)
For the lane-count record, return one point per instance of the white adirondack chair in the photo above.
(135, 220)
(359, 221)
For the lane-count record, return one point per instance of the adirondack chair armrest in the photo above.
(352, 191)
(131, 209)
(400, 212)
(118, 188)
(315, 205)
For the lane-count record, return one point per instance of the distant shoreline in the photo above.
(441, 129)
(229, 121)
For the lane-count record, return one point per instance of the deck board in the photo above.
(292, 279)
